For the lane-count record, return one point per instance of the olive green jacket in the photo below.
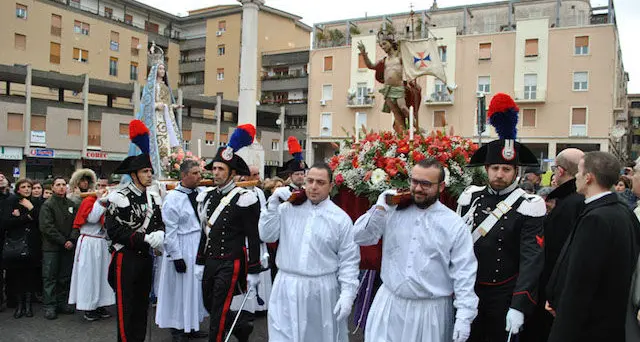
(56, 223)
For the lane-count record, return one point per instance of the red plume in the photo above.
(500, 103)
(137, 128)
(294, 145)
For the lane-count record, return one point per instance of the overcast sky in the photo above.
(316, 11)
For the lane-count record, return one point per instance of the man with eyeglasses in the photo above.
(317, 260)
(557, 225)
(506, 228)
(428, 265)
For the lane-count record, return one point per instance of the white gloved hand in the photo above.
(253, 280)
(160, 235)
(152, 240)
(280, 195)
(515, 320)
(198, 271)
(264, 260)
(343, 308)
(461, 331)
(382, 199)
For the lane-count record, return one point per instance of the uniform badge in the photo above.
(302, 164)
(70, 210)
(227, 154)
(508, 151)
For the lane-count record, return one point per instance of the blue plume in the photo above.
(241, 137)
(505, 123)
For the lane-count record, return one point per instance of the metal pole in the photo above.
(282, 111)
(179, 111)
(27, 111)
(85, 114)
(218, 119)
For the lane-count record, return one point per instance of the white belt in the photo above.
(501, 208)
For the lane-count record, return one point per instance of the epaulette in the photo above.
(532, 205)
(467, 194)
(246, 198)
(203, 194)
(119, 198)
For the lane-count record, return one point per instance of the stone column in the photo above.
(248, 62)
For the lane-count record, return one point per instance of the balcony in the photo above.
(192, 65)
(281, 102)
(537, 95)
(193, 44)
(360, 102)
(440, 98)
(285, 82)
(192, 89)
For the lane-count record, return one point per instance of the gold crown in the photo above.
(156, 54)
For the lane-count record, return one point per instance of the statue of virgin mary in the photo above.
(157, 111)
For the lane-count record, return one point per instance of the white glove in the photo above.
(461, 331)
(382, 199)
(198, 272)
(515, 320)
(152, 240)
(264, 260)
(281, 194)
(253, 280)
(343, 308)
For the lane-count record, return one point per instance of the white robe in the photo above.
(264, 288)
(89, 286)
(317, 264)
(428, 269)
(180, 303)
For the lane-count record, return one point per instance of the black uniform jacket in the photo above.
(512, 252)
(589, 287)
(126, 214)
(237, 223)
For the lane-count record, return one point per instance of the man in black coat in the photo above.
(589, 287)
(557, 225)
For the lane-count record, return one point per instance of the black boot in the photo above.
(19, 307)
(28, 310)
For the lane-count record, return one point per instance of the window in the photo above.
(580, 81)
(56, 25)
(38, 123)
(635, 104)
(440, 93)
(325, 125)
(222, 26)
(361, 63)
(80, 27)
(361, 93)
(484, 51)
(54, 53)
(361, 120)
(328, 63)
(21, 11)
(128, 19)
(135, 43)
(442, 51)
(530, 86)
(327, 92)
(108, 12)
(528, 117)
(20, 41)
(14, 122)
(579, 122)
(124, 130)
(113, 66)
(582, 45)
(439, 118)
(80, 55)
(531, 48)
(73, 127)
(220, 73)
(133, 71)
(484, 84)
(151, 26)
(115, 41)
(186, 139)
(209, 138)
(93, 133)
(75, 3)
(275, 145)
(224, 137)
(221, 50)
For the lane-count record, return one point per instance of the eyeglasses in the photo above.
(555, 167)
(423, 183)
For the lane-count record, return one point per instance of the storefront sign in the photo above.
(66, 154)
(11, 153)
(38, 137)
(42, 152)
(99, 155)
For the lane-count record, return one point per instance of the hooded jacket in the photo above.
(76, 177)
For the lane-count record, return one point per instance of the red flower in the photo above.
(339, 179)
(354, 162)
(367, 175)
(417, 156)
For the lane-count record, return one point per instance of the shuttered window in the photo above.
(484, 51)
(135, 42)
(151, 27)
(14, 122)
(186, 134)
(222, 25)
(128, 19)
(73, 127)
(529, 117)
(579, 116)
(531, 48)
(56, 25)
(209, 138)
(20, 41)
(115, 41)
(54, 53)
(38, 123)
(439, 118)
(124, 130)
(93, 134)
(582, 45)
(328, 63)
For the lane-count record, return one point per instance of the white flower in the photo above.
(378, 176)
(447, 177)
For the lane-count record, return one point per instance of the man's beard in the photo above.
(428, 201)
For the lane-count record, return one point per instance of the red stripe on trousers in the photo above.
(227, 301)
(121, 331)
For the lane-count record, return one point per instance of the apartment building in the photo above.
(560, 60)
(106, 41)
(633, 107)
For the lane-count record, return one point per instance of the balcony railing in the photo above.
(355, 102)
(536, 95)
(266, 77)
(282, 101)
(192, 60)
(190, 82)
(439, 97)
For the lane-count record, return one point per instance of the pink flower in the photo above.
(176, 166)
(189, 154)
(339, 179)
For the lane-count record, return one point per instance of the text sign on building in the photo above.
(38, 137)
(11, 153)
(42, 152)
(96, 155)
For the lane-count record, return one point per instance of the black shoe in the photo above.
(103, 312)
(28, 310)
(50, 313)
(20, 307)
(66, 310)
(197, 334)
(91, 316)
(178, 335)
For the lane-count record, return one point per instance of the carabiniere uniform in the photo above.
(507, 230)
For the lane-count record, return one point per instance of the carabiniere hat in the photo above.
(503, 115)
(297, 163)
(139, 135)
(242, 136)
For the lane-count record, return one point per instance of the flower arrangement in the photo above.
(383, 160)
(171, 164)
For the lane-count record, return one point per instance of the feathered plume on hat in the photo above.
(139, 135)
(294, 148)
(503, 115)
(242, 136)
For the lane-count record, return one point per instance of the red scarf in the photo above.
(83, 212)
